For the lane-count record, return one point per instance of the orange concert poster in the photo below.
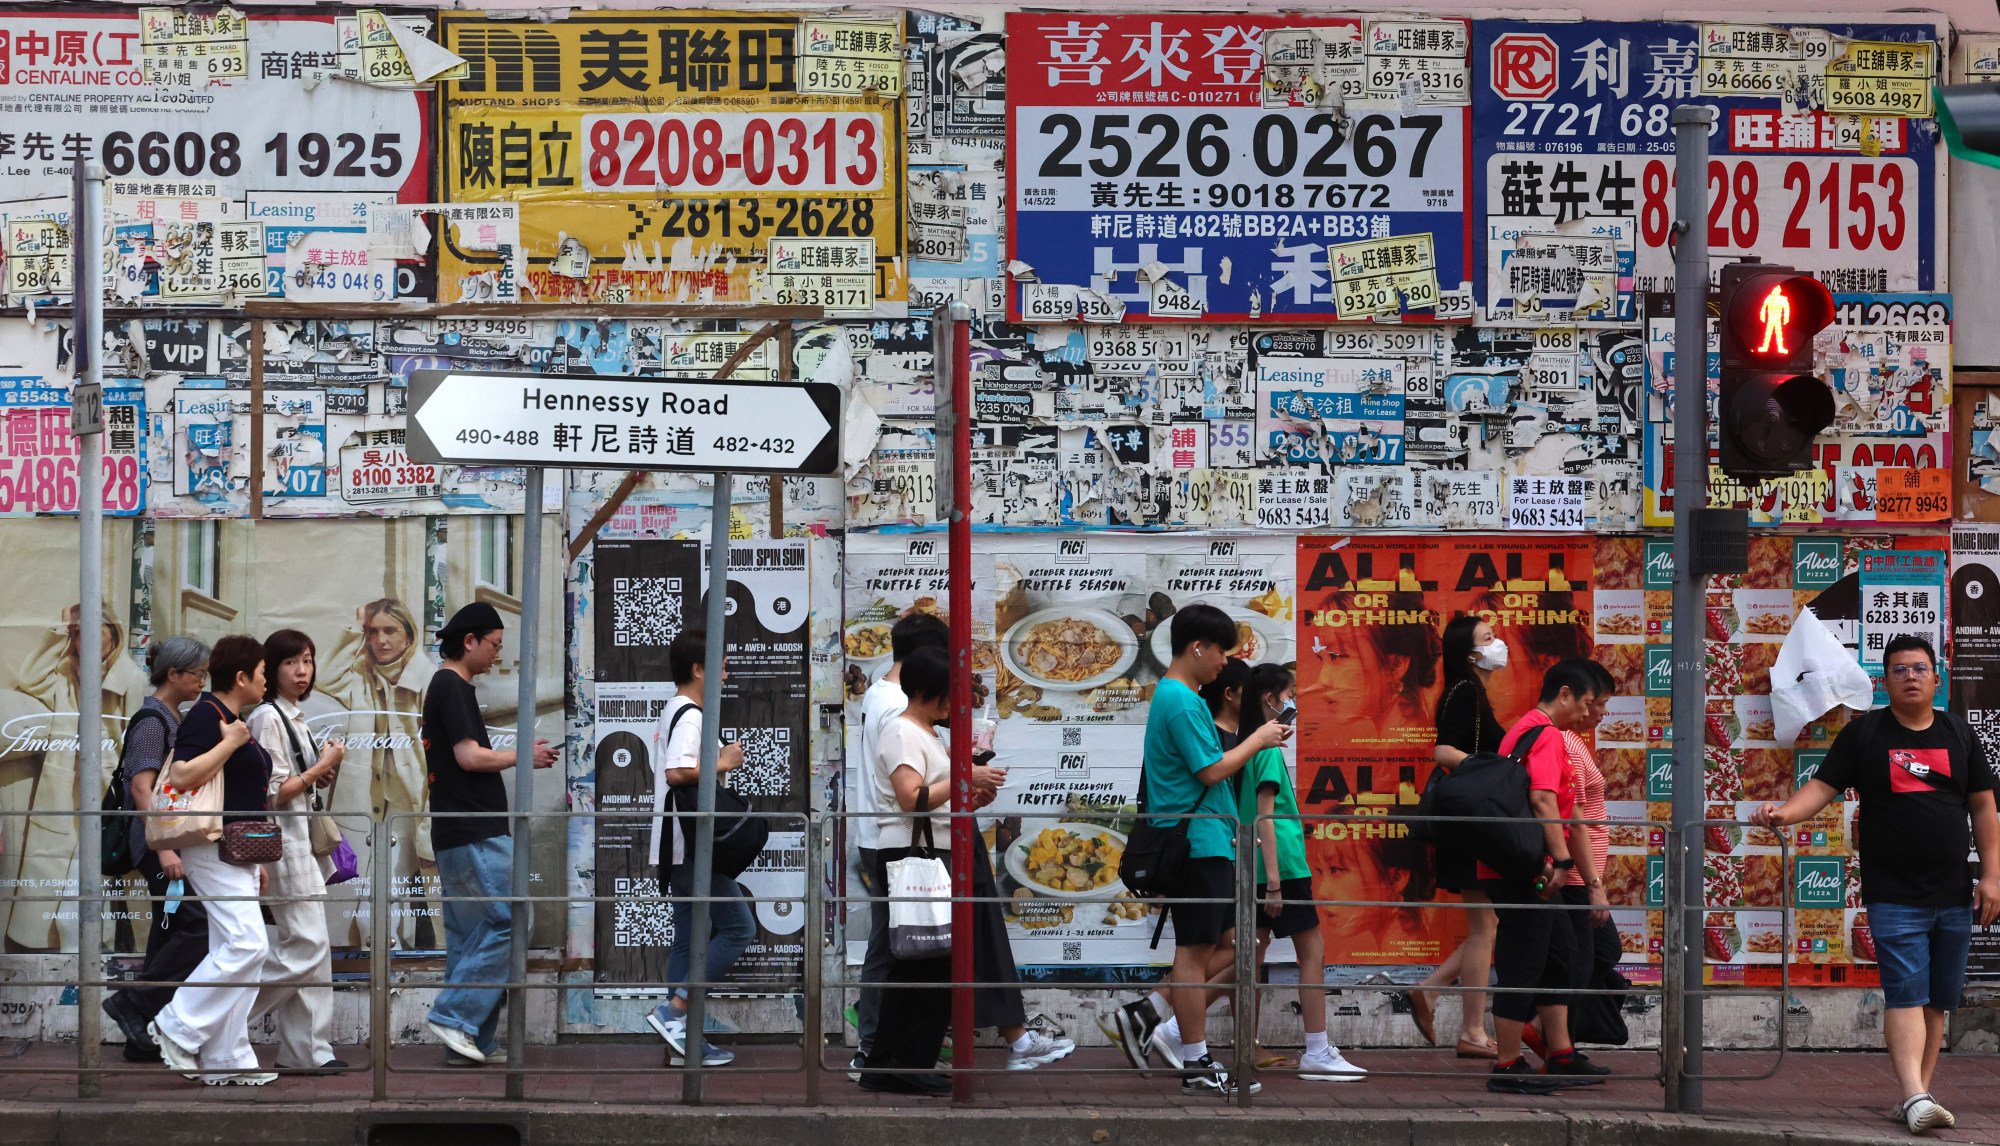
(1371, 611)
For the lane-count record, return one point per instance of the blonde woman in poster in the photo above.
(38, 773)
(378, 672)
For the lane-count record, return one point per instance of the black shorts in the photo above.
(1202, 924)
(1456, 871)
(1298, 915)
(1533, 949)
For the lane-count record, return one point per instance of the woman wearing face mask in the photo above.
(300, 949)
(1465, 724)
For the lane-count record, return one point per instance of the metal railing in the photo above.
(819, 832)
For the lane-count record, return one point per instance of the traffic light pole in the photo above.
(1681, 1036)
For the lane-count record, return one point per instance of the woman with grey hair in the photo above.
(178, 941)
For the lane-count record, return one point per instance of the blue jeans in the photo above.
(730, 925)
(1921, 953)
(476, 936)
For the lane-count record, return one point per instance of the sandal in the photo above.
(1477, 1050)
(1423, 1012)
(1268, 1059)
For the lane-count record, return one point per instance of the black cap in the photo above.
(476, 617)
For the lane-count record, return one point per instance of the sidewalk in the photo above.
(1815, 1098)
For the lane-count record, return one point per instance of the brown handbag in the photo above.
(247, 843)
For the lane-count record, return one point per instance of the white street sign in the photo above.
(86, 408)
(464, 417)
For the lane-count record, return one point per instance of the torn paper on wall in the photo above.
(184, 50)
(1313, 67)
(1420, 63)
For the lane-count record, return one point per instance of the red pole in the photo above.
(963, 830)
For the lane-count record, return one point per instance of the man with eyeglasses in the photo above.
(475, 854)
(1919, 775)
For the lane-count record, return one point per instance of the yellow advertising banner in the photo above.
(660, 157)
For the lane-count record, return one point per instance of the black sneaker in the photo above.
(1205, 1076)
(139, 1046)
(1518, 1077)
(1577, 1067)
(1136, 1023)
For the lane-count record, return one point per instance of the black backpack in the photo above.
(115, 842)
(740, 836)
(1487, 784)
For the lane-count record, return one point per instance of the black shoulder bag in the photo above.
(740, 835)
(115, 842)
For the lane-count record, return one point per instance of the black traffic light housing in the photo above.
(1771, 404)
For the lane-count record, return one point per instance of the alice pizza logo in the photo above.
(1820, 881)
(1659, 568)
(1816, 562)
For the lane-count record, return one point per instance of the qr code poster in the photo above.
(645, 611)
(646, 593)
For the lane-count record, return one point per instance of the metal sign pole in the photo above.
(954, 378)
(1691, 126)
(523, 914)
(703, 861)
(87, 422)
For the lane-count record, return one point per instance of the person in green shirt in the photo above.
(1265, 797)
(1186, 771)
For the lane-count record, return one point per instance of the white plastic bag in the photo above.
(920, 907)
(1814, 673)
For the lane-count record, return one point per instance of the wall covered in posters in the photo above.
(1346, 323)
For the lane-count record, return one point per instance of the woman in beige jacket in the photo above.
(378, 673)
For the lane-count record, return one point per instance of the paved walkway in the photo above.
(610, 1093)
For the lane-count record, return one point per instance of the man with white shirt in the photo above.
(883, 702)
(677, 764)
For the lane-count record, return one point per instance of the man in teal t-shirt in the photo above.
(1187, 771)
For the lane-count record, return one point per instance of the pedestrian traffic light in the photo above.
(1969, 119)
(1771, 403)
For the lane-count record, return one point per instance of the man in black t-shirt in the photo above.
(475, 854)
(1919, 775)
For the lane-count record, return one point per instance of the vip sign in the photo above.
(1819, 881)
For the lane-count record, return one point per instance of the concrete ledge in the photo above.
(154, 1123)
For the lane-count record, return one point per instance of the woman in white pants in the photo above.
(300, 953)
(205, 1032)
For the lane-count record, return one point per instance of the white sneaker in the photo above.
(248, 1078)
(1167, 1044)
(176, 1056)
(1921, 1114)
(1042, 1050)
(456, 1041)
(1329, 1066)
